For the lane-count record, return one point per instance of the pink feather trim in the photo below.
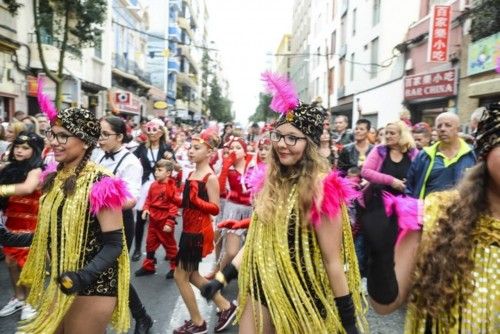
(108, 193)
(46, 105)
(50, 168)
(409, 211)
(256, 178)
(285, 97)
(337, 191)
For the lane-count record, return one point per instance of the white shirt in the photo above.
(129, 170)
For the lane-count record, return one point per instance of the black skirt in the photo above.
(190, 251)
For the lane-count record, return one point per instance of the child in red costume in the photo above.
(200, 202)
(161, 207)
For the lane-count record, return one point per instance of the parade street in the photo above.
(165, 305)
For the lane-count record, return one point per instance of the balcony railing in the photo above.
(51, 40)
(129, 66)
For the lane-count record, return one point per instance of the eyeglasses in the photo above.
(106, 135)
(61, 137)
(290, 140)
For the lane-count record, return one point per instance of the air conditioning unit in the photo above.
(409, 64)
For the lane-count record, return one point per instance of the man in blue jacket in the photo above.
(440, 166)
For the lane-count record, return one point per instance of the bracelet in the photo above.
(67, 282)
(7, 190)
(221, 278)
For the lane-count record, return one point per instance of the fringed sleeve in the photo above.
(337, 191)
(108, 193)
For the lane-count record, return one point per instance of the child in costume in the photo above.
(20, 206)
(235, 169)
(80, 227)
(200, 202)
(297, 272)
(451, 273)
(161, 208)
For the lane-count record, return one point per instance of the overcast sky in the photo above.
(245, 31)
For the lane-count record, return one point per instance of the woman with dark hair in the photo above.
(80, 227)
(20, 207)
(452, 276)
(148, 153)
(113, 155)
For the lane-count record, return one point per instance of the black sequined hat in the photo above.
(80, 122)
(307, 118)
(488, 131)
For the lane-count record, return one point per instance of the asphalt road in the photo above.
(165, 305)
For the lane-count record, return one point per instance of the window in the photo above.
(342, 30)
(354, 12)
(98, 47)
(316, 86)
(374, 58)
(318, 51)
(342, 73)
(333, 42)
(376, 12)
(353, 65)
(333, 8)
(331, 77)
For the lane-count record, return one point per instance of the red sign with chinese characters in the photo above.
(437, 84)
(439, 33)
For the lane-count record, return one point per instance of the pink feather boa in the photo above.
(256, 178)
(50, 168)
(337, 191)
(108, 193)
(409, 211)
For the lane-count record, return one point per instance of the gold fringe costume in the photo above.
(480, 313)
(282, 268)
(69, 233)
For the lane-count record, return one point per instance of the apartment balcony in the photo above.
(173, 65)
(174, 33)
(130, 67)
(185, 51)
(185, 25)
(7, 28)
(184, 79)
(175, 5)
(51, 51)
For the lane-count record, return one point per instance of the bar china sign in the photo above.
(437, 84)
(439, 33)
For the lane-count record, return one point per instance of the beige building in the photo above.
(283, 60)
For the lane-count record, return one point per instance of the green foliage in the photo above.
(220, 106)
(485, 16)
(263, 112)
(12, 6)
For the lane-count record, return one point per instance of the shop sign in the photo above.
(439, 33)
(436, 84)
(32, 85)
(484, 54)
(123, 101)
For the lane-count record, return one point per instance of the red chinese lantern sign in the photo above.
(429, 85)
(439, 33)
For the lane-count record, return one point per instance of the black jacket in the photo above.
(142, 154)
(349, 157)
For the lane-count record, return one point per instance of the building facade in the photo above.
(300, 49)
(283, 58)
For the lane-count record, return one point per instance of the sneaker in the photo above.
(12, 306)
(28, 312)
(136, 256)
(225, 317)
(144, 272)
(190, 328)
(170, 274)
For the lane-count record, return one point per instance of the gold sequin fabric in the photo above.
(283, 269)
(480, 313)
(67, 222)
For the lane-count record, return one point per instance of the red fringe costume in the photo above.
(162, 203)
(197, 239)
(22, 217)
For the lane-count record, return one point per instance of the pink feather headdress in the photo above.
(285, 97)
(46, 105)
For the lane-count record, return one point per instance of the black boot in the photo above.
(143, 324)
(136, 256)
(143, 321)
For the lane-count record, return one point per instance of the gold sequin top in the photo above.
(282, 268)
(480, 313)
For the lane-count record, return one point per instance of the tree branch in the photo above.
(39, 45)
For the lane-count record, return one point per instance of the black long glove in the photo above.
(210, 289)
(72, 282)
(345, 306)
(380, 234)
(10, 239)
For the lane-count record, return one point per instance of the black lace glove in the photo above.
(345, 306)
(221, 279)
(74, 282)
(10, 239)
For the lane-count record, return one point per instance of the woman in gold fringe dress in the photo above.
(80, 228)
(298, 271)
(453, 287)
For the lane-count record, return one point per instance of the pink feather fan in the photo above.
(108, 193)
(285, 98)
(46, 105)
(337, 191)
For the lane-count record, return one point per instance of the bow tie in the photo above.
(110, 155)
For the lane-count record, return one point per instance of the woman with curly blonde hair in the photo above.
(291, 269)
(453, 287)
